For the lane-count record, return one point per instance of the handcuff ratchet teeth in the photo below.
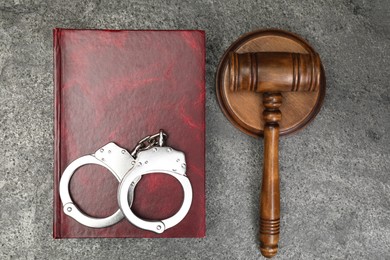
(149, 156)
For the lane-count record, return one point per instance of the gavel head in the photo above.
(274, 71)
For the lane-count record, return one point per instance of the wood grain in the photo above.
(253, 73)
(274, 72)
(270, 196)
(298, 108)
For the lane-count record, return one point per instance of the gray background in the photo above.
(335, 182)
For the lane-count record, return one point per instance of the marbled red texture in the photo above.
(120, 86)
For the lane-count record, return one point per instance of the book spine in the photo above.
(57, 134)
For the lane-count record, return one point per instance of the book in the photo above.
(120, 86)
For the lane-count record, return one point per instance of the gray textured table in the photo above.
(335, 194)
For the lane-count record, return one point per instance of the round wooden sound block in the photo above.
(244, 109)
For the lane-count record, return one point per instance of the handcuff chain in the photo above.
(148, 142)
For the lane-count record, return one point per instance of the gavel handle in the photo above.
(270, 196)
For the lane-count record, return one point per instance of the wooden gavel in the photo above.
(272, 73)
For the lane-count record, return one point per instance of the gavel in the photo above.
(272, 74)
(270, 82)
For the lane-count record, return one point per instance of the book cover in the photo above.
(120, 86)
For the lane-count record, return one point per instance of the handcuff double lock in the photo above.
(149, 156)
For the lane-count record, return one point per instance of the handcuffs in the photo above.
(149, 156)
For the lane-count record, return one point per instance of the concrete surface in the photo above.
(335, 175)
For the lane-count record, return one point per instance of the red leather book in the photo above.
(121, 86)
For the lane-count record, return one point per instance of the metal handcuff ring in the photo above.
(114, 158)
(157, 159)
(152, 157)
